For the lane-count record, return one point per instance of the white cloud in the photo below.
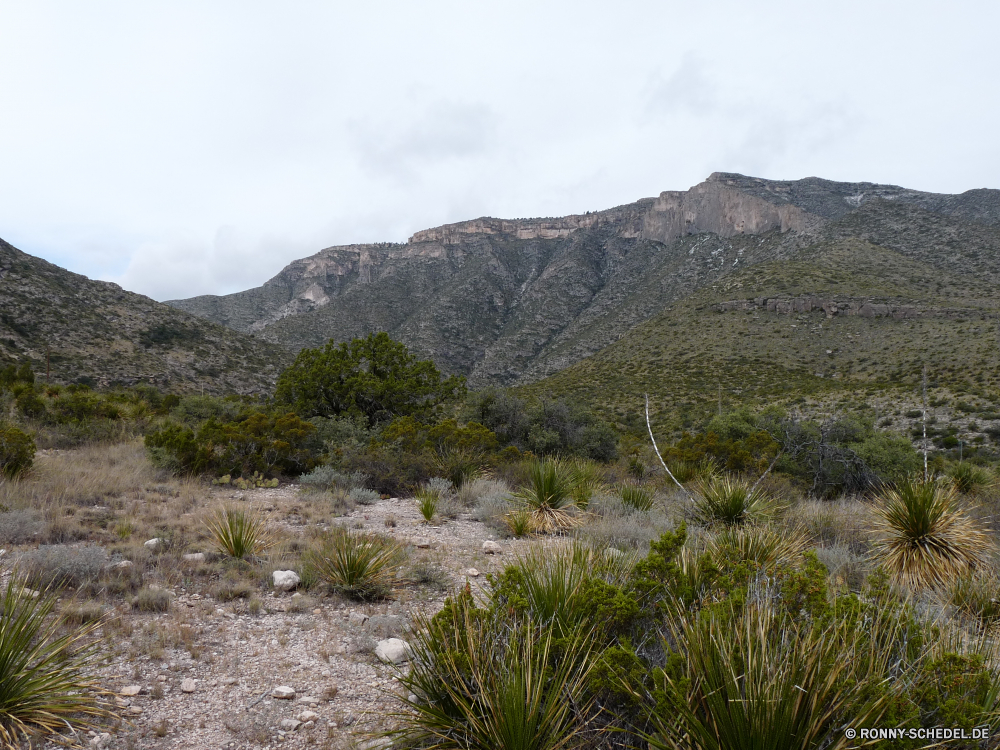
(193, 147)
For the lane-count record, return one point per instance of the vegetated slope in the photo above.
(844, 321)
(512, 301)
(94, 332)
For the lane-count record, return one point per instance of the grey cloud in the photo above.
(689, 88)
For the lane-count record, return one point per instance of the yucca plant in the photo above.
(427, 503)
(45, 685)
(240, 532)
(969, 478)
(461, 465)
(587, 478)
(755, 681)
(925, 539)
(549, 496)
(731, 501)
(757, 544)
(494, 685)
(636, 496)
(360, 565)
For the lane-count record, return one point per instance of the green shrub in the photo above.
(374, 377)
(258, 443)
(427, 503)
(359, 565)
(327, 477)
(17, 451)
(363, 496)
(45, 670)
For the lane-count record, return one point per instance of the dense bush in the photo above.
(549, 428)
(375, 378)
(17, 451)
(258, 442)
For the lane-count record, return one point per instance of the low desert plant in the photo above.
(61, 566)
(493, 686)
(363, 496)
(587, 478)
(757, 544)
(239, 532)
(925, 539)
(44, 682)
(326, 477)
(428, 500)
(357, 564)
(548, 496)
(17, 451)
(520, 522)
(968, 477)
(152, 600)
(461, 465)
(636, 496)
(21, 525)
(756, 682)
(977, 595)
(731, 501)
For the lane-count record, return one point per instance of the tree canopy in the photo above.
(374, 377)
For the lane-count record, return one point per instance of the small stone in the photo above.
(188, 686)
(290, 725)
(155, 544)
(194, 557)
(357, 618)
(285, 580)
(472, 573)
(161, 677)
(308, 725)
(130, 691)
(229, 680)
(307, 716)
(283, 692)
(135, 710)
(393, 651)
(317, 611)
(492, 548)
(422, 543)
(122, 565)
(310, 699)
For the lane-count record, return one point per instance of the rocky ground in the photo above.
(303, 671)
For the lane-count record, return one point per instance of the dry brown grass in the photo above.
(845, 522)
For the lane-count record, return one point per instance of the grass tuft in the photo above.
(240, 532)
(549, 496)
(731, 501)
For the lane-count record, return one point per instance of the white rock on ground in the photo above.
(472, 573)
(129, 691)
(290, 725)
(194, 557)
(285, 580)
(357, 618)
(155, 543)
(307, 716)
(283, 692)
(393, 651)
(188, 686)
(492, 548)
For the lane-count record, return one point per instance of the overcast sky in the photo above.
(184, 148)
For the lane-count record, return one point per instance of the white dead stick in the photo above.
(664, 463)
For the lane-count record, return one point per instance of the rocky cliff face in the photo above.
(508, 301)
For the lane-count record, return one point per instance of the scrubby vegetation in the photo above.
(805, 576)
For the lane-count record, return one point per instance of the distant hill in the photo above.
(94, 332)
(513, 301)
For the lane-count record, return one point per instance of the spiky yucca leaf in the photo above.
(240, 532)
(758, 544)
(360, 565)
(925, 539)
(44, 682)
(758, 682)
(731, 501)
(549, 496)
(491, 685)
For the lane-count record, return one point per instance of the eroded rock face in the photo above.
(507, 301)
